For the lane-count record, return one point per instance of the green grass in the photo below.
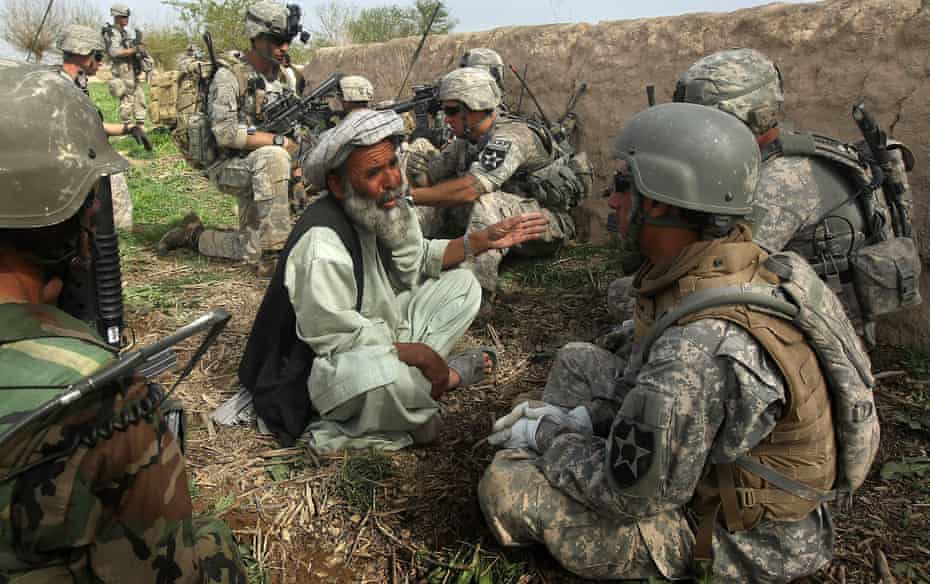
(575, 267)
(360, 475)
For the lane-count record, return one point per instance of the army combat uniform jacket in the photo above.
(115, 508)
(709, 394)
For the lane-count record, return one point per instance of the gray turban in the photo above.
(360, 128)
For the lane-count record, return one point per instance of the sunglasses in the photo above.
(98, 56)
(452, 111)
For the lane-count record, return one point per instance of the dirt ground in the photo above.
(412, 516)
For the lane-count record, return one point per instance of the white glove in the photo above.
(518, 428)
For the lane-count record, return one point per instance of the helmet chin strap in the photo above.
(468, 130)
(633, 257)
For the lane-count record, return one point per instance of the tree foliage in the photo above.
(20, 21)
(223, 18)
(383, 23)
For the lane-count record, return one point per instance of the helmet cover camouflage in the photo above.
(741, 82)
(355, 88)
(692, 157)
(472, 86)
(486, 59)
(81, 40)
(119, 10)
(53, 148)
(266, 17)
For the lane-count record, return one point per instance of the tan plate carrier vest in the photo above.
(802, 445)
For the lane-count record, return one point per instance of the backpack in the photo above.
(164, 102)
(884, 267)
(804, 300)
(276, 364)
(193, 134)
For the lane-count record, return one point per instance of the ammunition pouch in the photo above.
(886, 276)
(561, 185)
(196, 140)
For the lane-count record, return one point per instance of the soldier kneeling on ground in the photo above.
(745, 408)
(100, 494)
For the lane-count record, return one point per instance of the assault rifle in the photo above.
(882, 164)
(288, 114)
(93, 290)
(424, 105)
(109, 378)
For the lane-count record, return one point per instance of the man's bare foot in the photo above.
(455, 379)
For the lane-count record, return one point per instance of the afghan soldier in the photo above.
(255, 166)
(378, 304)
(82, 52)
(99, 494)
(130, 66)
(609, 471)
(498, 167)
(814, 195)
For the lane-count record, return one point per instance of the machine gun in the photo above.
(288, 114)
(882, 162)
(424, 105)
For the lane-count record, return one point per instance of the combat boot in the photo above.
(185, 235)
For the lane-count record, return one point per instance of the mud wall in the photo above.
(831, 53)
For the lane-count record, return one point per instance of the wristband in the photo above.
(466, 243)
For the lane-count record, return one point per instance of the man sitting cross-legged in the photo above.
(368, 295)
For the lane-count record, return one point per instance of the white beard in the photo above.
(388, 225)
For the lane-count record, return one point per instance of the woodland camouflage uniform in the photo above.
(117, 507)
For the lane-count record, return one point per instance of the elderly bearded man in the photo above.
(368, 295)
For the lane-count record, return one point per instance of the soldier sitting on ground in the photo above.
(717, 440)
(254, 166)
(375, 302)
(514, 167)
(100, 494)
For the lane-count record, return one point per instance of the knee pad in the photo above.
(117, 88)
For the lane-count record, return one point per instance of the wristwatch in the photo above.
(278, 140)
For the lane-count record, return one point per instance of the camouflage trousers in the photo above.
(218, 552)
(489, 209)
(621, 303)
(122, 202)
(260, 181)
(129, 88)
(523, 508)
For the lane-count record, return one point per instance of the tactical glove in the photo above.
(518, 428)
(140, 136)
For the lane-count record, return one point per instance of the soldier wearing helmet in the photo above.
(255, 166)
(130, 65)
(487, 59)
(355, 92)
(814, 196)
(609, 474)
(105, 483)
(498, 167)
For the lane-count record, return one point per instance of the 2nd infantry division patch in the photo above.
(494, 154)
(630, 454)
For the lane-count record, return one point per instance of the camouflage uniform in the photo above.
(128, 80)
(721, 394)
(511, 147)
(117, 507)
(83, 40)
(258, 178)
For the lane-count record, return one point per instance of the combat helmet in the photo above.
(691, 157)
(119, 10)
(54, 151)
(77, 39)
(472, 86)
(741, 82)
(486, 59)
(355, 88)
(268, 17)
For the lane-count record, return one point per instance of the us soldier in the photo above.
(487, 59)
(814, 196)
(254, 166)
(100, 495)
(82, 52)
(130, 66)
(355, 92)
(498, 167)
(620, 457)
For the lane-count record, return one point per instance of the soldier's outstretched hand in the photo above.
(516, 230)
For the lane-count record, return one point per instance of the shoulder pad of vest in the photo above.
(821, 147)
